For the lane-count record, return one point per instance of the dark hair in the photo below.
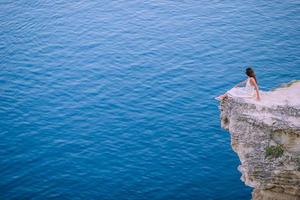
(250, 73)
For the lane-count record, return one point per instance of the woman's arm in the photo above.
(241, 83)
(253, 82)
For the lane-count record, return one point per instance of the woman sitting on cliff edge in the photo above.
(250, 90)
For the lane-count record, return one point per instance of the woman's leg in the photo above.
(221, 97)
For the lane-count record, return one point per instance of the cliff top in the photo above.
(286, 95)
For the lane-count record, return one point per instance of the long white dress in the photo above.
(246, 92)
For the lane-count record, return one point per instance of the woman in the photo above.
(249, 91)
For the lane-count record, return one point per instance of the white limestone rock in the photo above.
(266, 136)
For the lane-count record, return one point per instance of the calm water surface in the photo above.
(113, 99)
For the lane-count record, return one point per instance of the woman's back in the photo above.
(249, 86)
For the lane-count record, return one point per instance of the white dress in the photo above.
(247, 92)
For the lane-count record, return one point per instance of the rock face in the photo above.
(266, 137)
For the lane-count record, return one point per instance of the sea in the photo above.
(114, 99)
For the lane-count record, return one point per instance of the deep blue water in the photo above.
(114, 99)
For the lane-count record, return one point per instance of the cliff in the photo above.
(266, 137)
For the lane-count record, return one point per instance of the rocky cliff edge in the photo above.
(266, 137)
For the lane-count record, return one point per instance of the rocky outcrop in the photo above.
(266, 137)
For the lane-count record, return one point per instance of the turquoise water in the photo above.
(114, 99)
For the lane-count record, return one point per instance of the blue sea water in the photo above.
(114, 99)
